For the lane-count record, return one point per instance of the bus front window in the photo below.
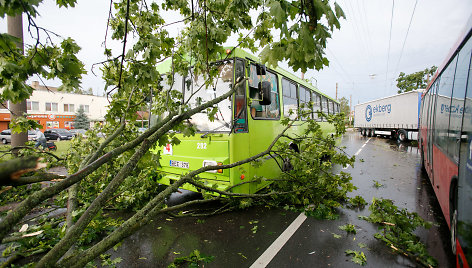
(197, 92)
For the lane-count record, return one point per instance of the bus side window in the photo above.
(316, 105)
(258, 111)
(304, 94)
(443, 105)
(324, 106)
(289, 90)
(457, 101)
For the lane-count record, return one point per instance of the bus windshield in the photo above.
(196, 92)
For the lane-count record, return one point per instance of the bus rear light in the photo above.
(242, 176)
(209, 163)
(220, 170)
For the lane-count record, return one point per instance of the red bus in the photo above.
(445, 141)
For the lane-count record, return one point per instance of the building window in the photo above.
(52, 124)
(85, 107)
(69, 124)
(32, 105)
(51, 106)
(69, 108)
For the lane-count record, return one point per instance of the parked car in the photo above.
(31, 135)
(5, 136)
(78, 131)
(58, 134)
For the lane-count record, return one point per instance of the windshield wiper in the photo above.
(225, 124)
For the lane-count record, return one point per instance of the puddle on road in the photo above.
(397, 167)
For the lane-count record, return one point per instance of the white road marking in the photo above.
(358, 151)
(277, 245)
(273, 249)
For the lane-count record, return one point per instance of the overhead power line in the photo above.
(340, 65)
(406, 36)
(389, 41)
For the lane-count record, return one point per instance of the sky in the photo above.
(366, 55)
(372, 47)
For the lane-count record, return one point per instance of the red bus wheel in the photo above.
(454, 231)
(453, 214)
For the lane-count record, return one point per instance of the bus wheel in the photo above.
(402, 136)
(423, 167)
(453, 216)
(287, 166)
(453, 231)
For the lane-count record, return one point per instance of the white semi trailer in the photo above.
(395, 116)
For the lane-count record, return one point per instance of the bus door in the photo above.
(464, 189)
(430, 128)
(264, 121)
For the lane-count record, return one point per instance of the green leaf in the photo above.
(358, 257)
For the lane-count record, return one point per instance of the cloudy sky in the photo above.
(366, 54)
(372, 47)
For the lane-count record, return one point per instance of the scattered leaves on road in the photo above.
(358, 257)
(349, 228)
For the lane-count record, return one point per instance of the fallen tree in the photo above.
(106, 170)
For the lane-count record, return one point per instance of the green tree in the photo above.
(344, 106)
(89, 91)
(81, 120)
(418, 80)
(122, 160)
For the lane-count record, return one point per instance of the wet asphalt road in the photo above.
(237, 239)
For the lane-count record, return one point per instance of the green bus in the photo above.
(244, 124)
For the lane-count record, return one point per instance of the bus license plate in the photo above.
(180, 164)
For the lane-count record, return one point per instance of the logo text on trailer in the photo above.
(368, 113)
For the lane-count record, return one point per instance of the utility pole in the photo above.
(15, 28)
(350, 102)
(350, 107)
(336, 90)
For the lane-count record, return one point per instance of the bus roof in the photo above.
(240, 53)
(165, 67)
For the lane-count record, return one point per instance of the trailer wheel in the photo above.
(370, 133)
(402, 136)
(363, 132)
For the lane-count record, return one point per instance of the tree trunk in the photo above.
(15, 28)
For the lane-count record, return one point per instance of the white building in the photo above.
(56, 109)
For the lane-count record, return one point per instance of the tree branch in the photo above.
(37, 178)
(11, 170)
(76, 230)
